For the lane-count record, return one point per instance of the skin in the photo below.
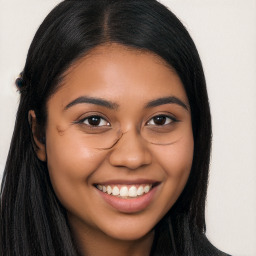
(130, 79)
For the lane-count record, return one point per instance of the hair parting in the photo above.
(33, 221)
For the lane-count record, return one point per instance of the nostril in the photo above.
(129, 157)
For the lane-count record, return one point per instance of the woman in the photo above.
(110, 152)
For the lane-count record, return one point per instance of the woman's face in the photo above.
(119, 142)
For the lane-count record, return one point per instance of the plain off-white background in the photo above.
(225, 34)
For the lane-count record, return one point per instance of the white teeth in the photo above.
(115, 191)
(146, 188)
(124, 191)
(109, 190)
(132, 191)
(99, 187)
(140, 191)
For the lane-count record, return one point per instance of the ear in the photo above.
(38, 138)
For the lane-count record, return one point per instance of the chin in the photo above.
(129, 230)
(130, 235)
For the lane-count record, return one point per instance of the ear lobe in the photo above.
(38, 139)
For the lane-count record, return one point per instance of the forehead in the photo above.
(119, 73)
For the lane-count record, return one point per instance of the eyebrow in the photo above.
(166, 100)
(90, 100)
(115, 106)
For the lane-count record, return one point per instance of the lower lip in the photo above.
(130, 205)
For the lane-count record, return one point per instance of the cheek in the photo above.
(176, 162)
(177, 158)
(70, 164)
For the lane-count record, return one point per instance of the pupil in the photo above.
(95, 120)
(159, 120)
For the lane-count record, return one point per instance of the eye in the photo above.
(95, 121)
(161, 120)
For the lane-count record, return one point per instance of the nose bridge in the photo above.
(130, 151)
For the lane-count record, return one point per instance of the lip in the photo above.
(129, 205)
(129, 182)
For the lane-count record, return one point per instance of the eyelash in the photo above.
(83, 121)
(102, 119)
(166, 117)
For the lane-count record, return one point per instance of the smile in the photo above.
(125, 191)
(128, 197)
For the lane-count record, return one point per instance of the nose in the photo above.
(130, 151)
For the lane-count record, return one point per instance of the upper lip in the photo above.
(128, 182)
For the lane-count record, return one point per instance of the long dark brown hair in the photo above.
(33, 222)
